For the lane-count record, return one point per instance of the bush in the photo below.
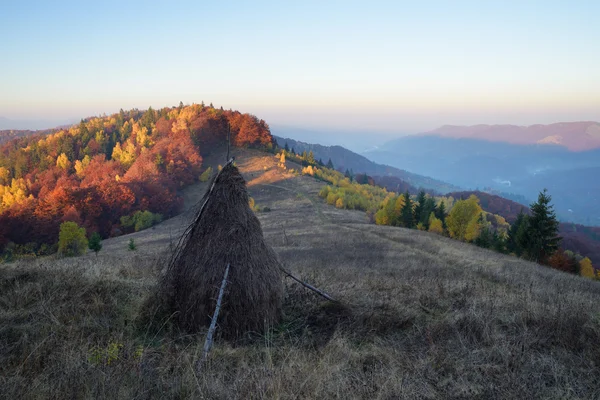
(140, 220)
(71, 240)
(131, 246)
(206, 175)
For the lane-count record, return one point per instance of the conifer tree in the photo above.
(330, 166)
(420, 207)
(516, 234)
(407, 215)
(286, 147)
(440, 213)
(543, 229)
(311, 158)
(95, 243)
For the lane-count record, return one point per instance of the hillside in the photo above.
(344, 159)
(104, 172)
(576, 237)
(575, 136)
(421, 316)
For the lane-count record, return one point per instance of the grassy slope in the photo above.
(424, 317)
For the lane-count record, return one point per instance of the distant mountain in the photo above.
(343, 159)
(522, 170)
(11, 134)
(575, 136)
(32, 124)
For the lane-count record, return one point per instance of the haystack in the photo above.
(224, 232)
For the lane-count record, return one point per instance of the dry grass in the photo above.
(422, 317)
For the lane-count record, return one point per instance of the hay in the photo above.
(224, 231)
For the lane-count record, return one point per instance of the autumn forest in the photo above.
(104, 170)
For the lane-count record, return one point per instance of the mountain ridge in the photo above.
(575, 136)
(343, 159)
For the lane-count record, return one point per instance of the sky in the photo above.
(387, 67)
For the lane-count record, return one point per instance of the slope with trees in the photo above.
(103, 172)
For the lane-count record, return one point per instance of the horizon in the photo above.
(390, 68)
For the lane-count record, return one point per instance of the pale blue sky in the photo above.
(360, 65)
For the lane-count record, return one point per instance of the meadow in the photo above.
(419, 316)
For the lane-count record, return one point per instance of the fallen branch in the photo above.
(213, 323)
(307, 285)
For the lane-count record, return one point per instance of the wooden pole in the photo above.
(213, 323)
(228, 139)
(309, 286)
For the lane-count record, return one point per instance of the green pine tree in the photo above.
(440, 213)
(95, 243)
(330, 166)
(517, 235)
(542, 231)
(407, 213)
(420, 206)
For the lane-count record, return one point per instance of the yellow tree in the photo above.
(586, 268)
(81, 165)
(463, 220)
(435, 224)
(4, 176)
(62, 161)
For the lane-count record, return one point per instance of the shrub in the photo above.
(140, 220)
(71, 240)
(206, 175)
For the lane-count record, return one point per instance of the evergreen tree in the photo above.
(498, 243)
(428, 208)
(420, 207)
(293, 151)
(320, 162)
(440, 213)
(330, 166)
(286, 147)
(406, 213)
(311, 158)
(517, 234)
(95, 243)
(542, 230)
(485, 238)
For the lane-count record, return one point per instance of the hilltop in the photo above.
(421, 316)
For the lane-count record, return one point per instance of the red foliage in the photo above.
(559, 260)
(104, 191)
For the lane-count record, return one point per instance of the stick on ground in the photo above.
(213, 324)
(309, 286)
